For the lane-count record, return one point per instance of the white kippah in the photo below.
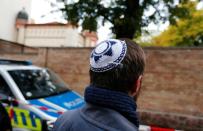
(107, 55)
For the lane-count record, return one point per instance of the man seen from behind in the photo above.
(116, 70)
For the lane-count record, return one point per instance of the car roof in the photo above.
(18, 67)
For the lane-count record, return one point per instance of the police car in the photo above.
(40, 95)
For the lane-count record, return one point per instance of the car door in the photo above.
(20, 118)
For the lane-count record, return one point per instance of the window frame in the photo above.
(9, 92)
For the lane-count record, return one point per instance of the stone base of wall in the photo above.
(171, 120)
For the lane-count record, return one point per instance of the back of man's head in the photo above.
(116, 64)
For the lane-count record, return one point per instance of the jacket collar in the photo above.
(106, 118)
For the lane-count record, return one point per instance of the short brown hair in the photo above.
(123, 77)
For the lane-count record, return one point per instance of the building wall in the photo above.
(51, 36)
(54, 35)
(173, 77)
(8, 13)
(172, 89)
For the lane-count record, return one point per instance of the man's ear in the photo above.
(136, 88)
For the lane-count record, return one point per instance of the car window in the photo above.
(4, 88)
(38, 83)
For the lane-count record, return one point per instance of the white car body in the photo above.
(46, 108)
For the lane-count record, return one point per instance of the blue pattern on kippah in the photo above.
(109, 52)
(112, 42)
(95, 53)
(115, 62)
(96, 58)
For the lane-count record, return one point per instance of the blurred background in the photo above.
(59, 34)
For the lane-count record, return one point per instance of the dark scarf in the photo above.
(115, 100)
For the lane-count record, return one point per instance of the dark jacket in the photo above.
(5, 123)
(93, 118)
